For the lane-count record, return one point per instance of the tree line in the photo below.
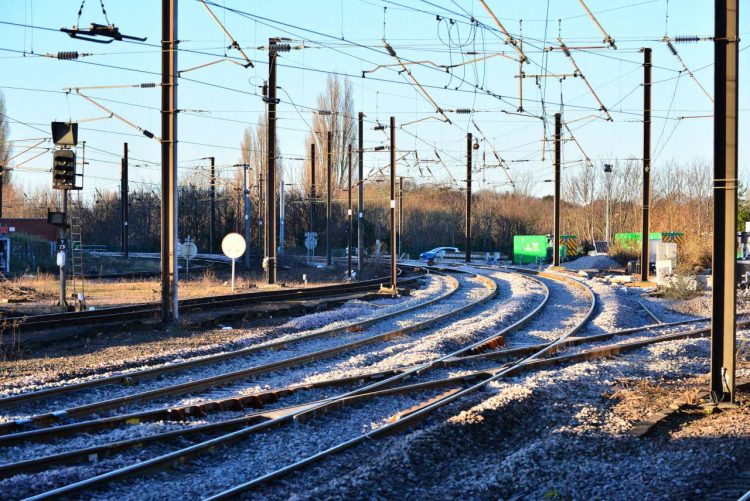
(433, 215)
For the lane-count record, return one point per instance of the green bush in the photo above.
(28, 252)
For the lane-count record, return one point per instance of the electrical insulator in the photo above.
(687, 39)
(390, 50)
(671, 48)
(463, 111)
(280, 47)
(67, 55)
(147, 85)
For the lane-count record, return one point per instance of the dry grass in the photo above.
(104, 292)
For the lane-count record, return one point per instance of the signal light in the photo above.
(64, 170)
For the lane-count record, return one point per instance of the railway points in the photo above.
(374, 249)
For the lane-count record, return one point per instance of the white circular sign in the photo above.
(189, 250)
(311, 240)
(233, 245)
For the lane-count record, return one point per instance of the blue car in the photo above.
(437, 252)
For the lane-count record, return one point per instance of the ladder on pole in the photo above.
(76, 253)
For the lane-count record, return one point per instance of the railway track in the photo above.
(400, 374)
(259, 400)
(222, 378)
(489, 285)
(130, 378)
(377, 385)
(151, 311)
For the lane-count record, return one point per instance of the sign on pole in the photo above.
(188, 251)
(233, 246)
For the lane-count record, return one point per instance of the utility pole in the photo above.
(312, 187)
(645, 240)
(271, 164)
(169, 288)
(2, 179)
(393, 204)
(61, 236)
(246, 196)
(608, 174)
(360, 205)
(468, 197)
(329, 189)
(282, 216)
(400, 211)
(556, 216)
(212, 208)
(124, 202)
(350, 227)
(724, 298)
(261, 217)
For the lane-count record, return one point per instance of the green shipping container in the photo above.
(530, 249)
(633, 240)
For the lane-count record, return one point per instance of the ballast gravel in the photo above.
(556, 433)
(162, 348)
(553, 434)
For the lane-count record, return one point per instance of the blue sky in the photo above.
(345, 36)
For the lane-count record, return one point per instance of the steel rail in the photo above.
(527, 364)
(650, 312)
(71, 318)
(183, 454)
(98, 452)
(420, 413)
(128, 378)
(47, 419)
(235, 402)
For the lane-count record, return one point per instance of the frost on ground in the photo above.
(520, 298)
(555, 434)
(158, 348)
(592, 263)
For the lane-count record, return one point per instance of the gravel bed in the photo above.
(261, 453)
(517, 296)
(470, 290)
(554, 434)
(566, 307)
(123, 356)
(618, 308)
(666, 311)
(507, 287)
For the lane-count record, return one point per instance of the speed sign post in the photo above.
(188, 250)
(233, 245)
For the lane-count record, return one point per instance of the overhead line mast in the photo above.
(724, 297)
(169, 284)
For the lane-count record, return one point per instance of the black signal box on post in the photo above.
(64, 170)
(65, 133)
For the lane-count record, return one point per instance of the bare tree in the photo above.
(335, 114)
(4, 142)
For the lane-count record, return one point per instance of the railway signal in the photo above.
(64, 169)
